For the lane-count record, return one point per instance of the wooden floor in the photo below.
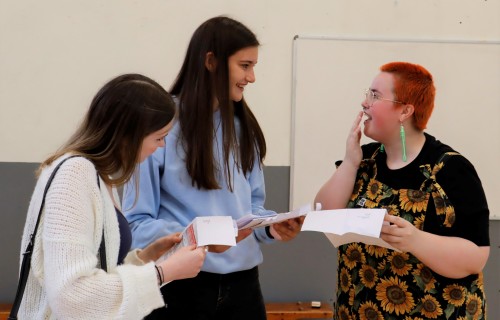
(275, 311)
(4, 311)
(298, 310)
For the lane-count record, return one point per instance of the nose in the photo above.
(367, 102)
(365, 105)
(250, 76)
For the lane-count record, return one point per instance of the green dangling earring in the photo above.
(382, 147)
(403, 140)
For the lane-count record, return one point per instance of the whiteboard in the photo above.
(330, 75)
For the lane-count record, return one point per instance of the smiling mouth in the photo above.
(367, 116)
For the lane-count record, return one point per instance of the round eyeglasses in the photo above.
(371, 96)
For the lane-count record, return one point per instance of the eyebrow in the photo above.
(163, 133)
(248, 61)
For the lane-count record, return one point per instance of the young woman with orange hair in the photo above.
(437, 210)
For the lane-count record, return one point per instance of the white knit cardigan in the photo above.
(65, 281)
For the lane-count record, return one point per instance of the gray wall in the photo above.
(300, 270)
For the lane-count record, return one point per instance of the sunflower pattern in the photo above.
(373, 190)
(399, 263)
(455, 295)
(394, 296)
(430, 307)
(376, 251)
(379, 283)
(357, 188)
(424, 278)
(368, 276)
(369, 311)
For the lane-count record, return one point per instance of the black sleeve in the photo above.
(462, 185)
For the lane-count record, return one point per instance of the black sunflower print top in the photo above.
(439, 192)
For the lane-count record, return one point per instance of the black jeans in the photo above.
(213, 296)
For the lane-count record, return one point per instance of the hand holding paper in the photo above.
(205, 231)
(186, 262)
(242, 234)
(257, 221)
(159, 247)
(288, 229)
(252, 220)
(348, 225)
(400, 233)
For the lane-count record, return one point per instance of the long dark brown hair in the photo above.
(126, 110)
(197, 88)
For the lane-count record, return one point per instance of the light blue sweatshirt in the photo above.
(168, 202)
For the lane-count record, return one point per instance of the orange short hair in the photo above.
(413, 85)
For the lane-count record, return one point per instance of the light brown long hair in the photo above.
(126, 110)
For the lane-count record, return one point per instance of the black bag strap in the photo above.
(102, 247)
(26, 263)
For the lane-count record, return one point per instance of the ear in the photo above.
(210, 61)
(407, 111)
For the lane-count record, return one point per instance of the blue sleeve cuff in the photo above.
(263, 235)
(268, 232)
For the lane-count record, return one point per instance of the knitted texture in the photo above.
(65, 281)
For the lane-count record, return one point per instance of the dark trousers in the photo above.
(213, 296)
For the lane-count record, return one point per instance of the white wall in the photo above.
(55, 54)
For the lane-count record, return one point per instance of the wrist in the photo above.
(159, 275)
(350, 164)
(171, 271)
(418, 238)
(139, 253)
(274, 233)
(268, 232)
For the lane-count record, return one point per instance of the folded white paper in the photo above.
(204, 231)
(252, 220)
(343, 226)
(257, 221)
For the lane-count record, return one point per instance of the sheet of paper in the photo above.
(216, 230)
(250, 220)
(348, 225)
(204, 231)
(255, 221)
